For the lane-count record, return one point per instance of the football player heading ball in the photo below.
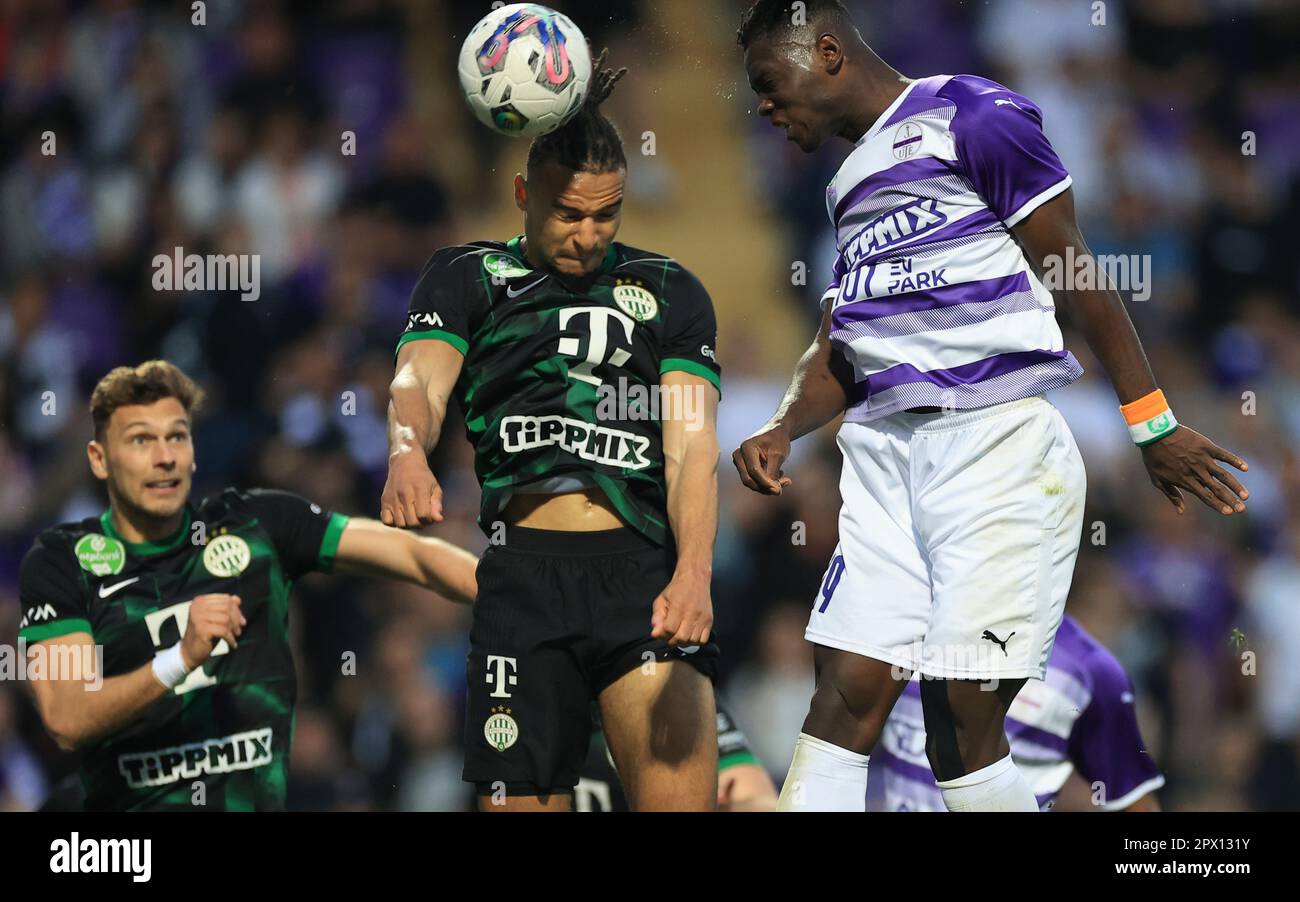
(602, 518)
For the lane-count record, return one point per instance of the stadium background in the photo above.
(226, 138)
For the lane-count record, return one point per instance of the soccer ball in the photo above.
(525, 70)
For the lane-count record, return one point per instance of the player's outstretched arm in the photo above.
(369, 548)
(1179, 460)
(78, 705)
(683, 611)
(815, 397)
(417, 406)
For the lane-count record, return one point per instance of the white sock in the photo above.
(998, 787)
(824, 777)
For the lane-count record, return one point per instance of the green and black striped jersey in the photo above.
(228, 725)
(560, 382)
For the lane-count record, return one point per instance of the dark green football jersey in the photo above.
(229, 723)
(559, 384)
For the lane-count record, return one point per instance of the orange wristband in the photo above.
(1149, 418)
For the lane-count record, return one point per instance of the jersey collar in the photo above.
(514, 247)
(145, 548)
(610, 261)
(889, 111)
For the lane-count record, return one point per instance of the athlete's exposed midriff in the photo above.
(586, 510)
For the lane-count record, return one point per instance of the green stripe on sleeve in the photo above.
(329, 543)
(55, 629)
(681, 364)
(737, 758)
(455, 341)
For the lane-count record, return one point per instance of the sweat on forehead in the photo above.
(789, 49)
(779, 21)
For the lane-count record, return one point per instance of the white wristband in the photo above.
(169, 666)
(1153, 429)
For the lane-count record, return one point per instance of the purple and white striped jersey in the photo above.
(934, 303)
(1080, 717)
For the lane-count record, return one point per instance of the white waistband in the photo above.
(959, 419)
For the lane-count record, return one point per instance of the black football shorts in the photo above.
(559, 616)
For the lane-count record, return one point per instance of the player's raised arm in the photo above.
(1176, 457)
(369, 548)
(815, 397)
(683, 612)
(418, 395)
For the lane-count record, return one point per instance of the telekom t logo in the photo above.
(500, 674)
(597, 343)
(198, 678)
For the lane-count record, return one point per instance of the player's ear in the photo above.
(831, 53)
(95, 455)
(521, 191)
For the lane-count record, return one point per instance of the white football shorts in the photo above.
(958, 536)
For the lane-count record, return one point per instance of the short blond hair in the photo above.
(151, 381)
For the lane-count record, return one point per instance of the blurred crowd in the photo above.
(1176, 118)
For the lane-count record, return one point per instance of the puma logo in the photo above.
(1001, 643)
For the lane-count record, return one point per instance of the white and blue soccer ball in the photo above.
(525, 69)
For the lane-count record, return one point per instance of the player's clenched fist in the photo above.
(212, 618)
(683, 612)
(412, 496)
(758, 460)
